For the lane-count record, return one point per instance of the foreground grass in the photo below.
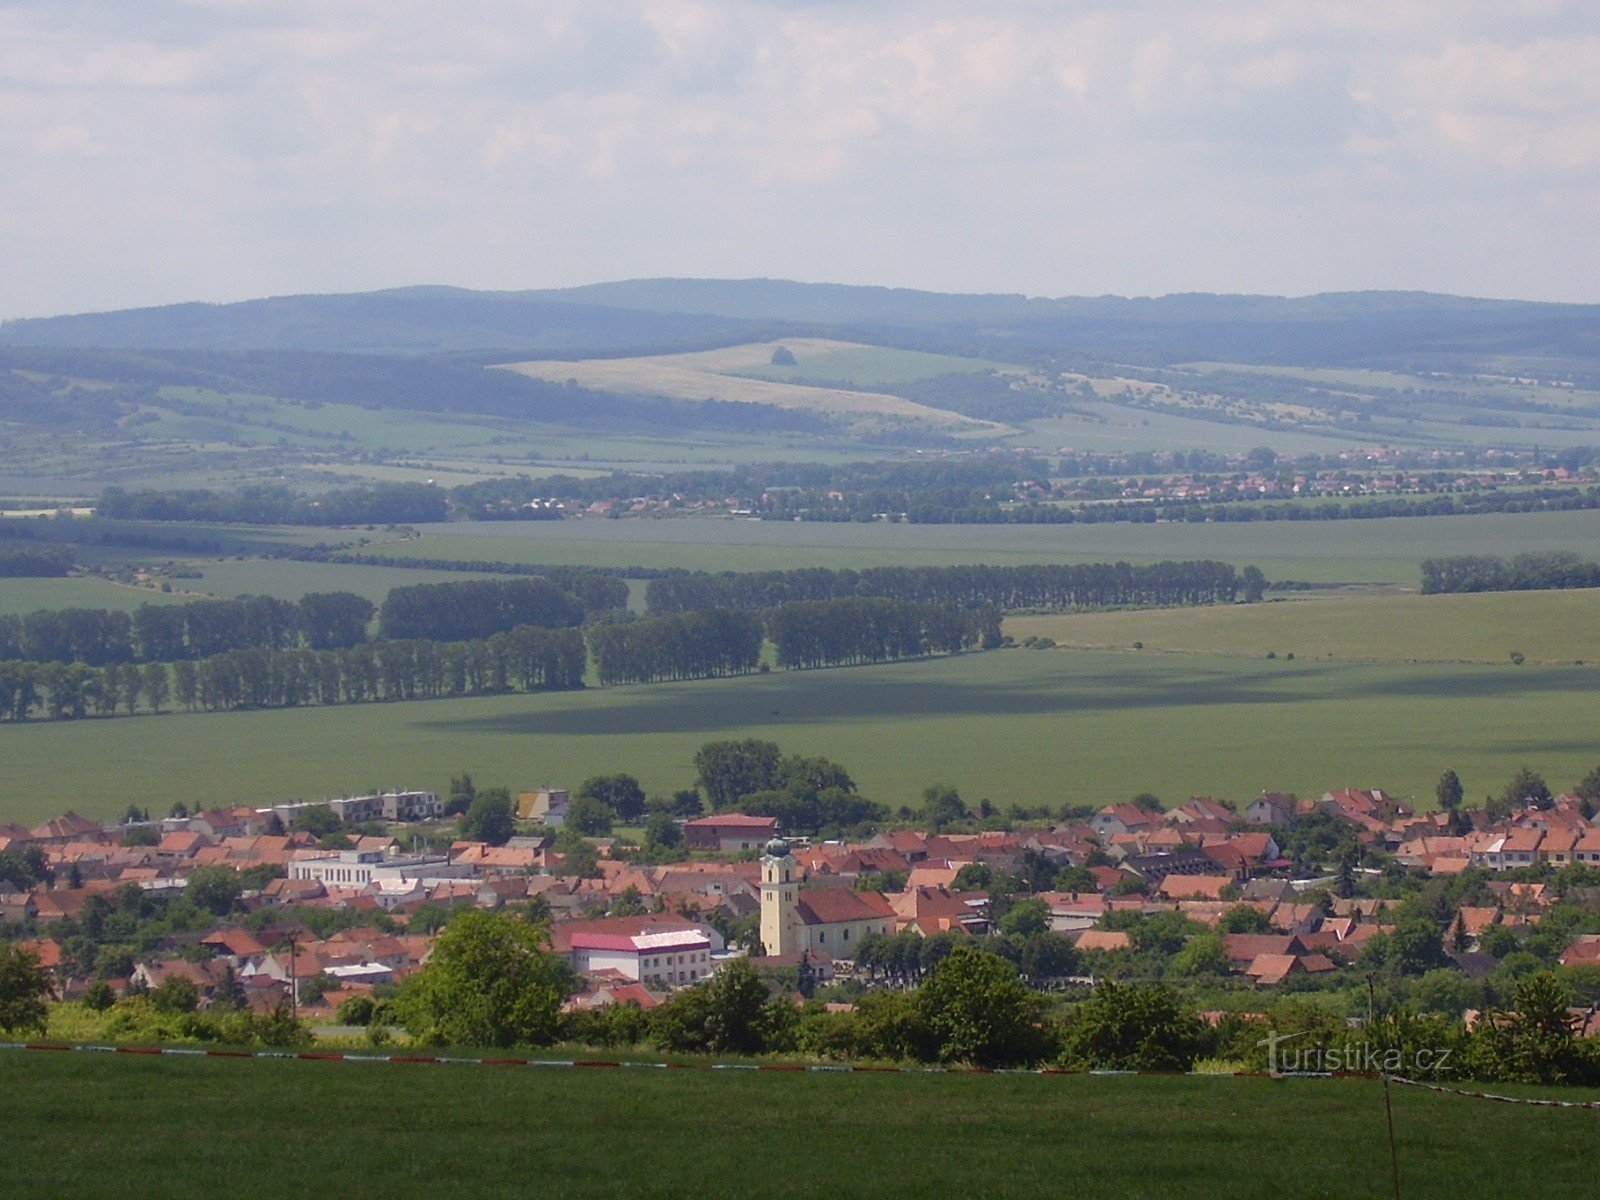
(1554, 627)
(1017, 726)
(111, 1126)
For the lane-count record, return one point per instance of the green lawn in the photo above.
(103, 1125)
(1553, 627)
(1013, 726)
(1371, 551)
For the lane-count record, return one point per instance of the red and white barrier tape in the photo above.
(816, 1068)
(1437, 1087)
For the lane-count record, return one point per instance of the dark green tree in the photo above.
(215, 889)
(461, 795)
(490, 981)
(1132, 1027)
(621, 794)
(490, 817)
(1526, 788)
(1449, 792)
(24, 988)
(731, 769)
(942, 806)
(977, 1011)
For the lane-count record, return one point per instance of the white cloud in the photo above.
(223, 148)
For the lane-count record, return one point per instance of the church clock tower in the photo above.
(780, 907)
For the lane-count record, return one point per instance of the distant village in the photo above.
(636, 932)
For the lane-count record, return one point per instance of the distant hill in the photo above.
(1410, 330)
(408, 321)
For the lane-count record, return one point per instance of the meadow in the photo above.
(1544, 627)
(1370, 552)
(1012, 726)
(30, 595)
(113, 1125)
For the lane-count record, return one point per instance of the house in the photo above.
(655, 949)
(729, 832)
(68, 827)
(1194, 887)
(1272, 808)
(547, 806)
(1122, 818)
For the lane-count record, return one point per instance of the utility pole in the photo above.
(294, 985)
(1388, 1105)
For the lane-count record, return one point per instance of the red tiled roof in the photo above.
(829, 906)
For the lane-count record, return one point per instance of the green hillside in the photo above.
(113, 1125)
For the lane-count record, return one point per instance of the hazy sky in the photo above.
(162, 150)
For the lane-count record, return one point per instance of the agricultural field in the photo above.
(289, 580)
(30, 595)
(103, 1125)
(726, 374)
(1014, 726)
(860, 366)
(1544, 627)
(1367, 552)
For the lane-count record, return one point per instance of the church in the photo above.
(827, 920)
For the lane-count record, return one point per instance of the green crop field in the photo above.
(1553, 627)
(29, 595)
(1014, 726)
(106, 1125)
(290, 580)
(1371, 551)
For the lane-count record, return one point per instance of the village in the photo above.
(313, 923)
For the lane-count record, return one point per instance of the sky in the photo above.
(172, 150)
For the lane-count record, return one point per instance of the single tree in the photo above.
(1526, 789)
(977, 1011)
(1449, 792)
(490, 818)
(490, 981)
(941, 806)
(24, 988)
(619, 793)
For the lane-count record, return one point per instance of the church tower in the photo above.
(780, 906)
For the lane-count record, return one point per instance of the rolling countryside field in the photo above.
(1373, 552)
(1021, 726)
(1544, 627)
(113, 1125)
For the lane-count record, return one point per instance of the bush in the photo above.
(1133, 1028)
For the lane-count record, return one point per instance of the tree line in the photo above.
(868, 629)
(693, 645)
(49, 562)
(525, 659)
(470, 610)
(199, 629)
(273, 504)
(1523, 572)
(1092, 585)
(477, 608)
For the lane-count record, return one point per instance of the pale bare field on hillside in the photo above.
(697, 376)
